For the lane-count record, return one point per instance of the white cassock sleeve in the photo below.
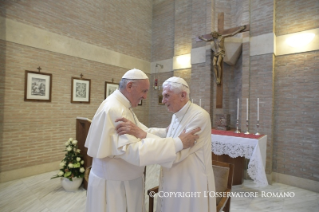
(103, 141)
(160, 132)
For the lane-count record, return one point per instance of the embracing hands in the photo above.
(128, 127)
(189, 139)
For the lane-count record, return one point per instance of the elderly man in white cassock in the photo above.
(116, 181)
(194, 164)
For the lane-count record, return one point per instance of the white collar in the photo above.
(181, 113)
(119, 96)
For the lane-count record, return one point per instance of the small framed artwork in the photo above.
(140, 103)
(80, 90)
(160, 99)
(37, 86)
(110, 87)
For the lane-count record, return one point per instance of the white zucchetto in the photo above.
(134, 74)
(177, 80)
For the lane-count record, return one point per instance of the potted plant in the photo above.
(72, 170)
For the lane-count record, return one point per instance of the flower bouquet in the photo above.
(72, 164)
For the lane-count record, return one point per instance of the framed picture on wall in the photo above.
(80, 90)
(37, 86)
(110, 87)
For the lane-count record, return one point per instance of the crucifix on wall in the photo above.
(218, 48)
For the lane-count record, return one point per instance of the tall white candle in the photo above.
(247, 109)
(238, 109)
(200, 102)
(257, 109)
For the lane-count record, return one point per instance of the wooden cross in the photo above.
(222, 31)
(39, 68)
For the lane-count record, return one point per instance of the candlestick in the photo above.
(247, 131)
(257, 125)
(247, 109)
(237, 108)
(237, 130)
(257, 109)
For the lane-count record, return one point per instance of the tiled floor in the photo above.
(39, 193)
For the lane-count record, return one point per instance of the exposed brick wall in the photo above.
(183, 27)
(296, 144)
(296, 95)
(296, 15)
(35, 132)
(163, 30)
(121, 26)
(262, 17)
(159, 117)
(239, 12)
(262, 87)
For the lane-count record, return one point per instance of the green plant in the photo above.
(72, 164)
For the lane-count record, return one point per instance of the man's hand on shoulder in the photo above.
(189, 139)
(128, 127)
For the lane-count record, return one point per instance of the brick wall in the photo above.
(159, 116)
(183, 27)
(262, 17)
(163, 30)
(296, 143)
(296, 15)
(34, 133)
(121, 26)
(296, 95)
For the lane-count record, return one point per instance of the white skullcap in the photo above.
(177, 80)
(134, 74)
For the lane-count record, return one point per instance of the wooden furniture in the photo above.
(82, 129)
(239, 166)
(223, 174)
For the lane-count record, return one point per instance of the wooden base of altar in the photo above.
(239, 166)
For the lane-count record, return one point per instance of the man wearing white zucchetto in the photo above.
(193, 164)
(116, 181)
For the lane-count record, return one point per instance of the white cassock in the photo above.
(191, 174)
(116, 181)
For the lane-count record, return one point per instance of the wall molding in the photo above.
(16, 32)
(310, 185)
(28, 171)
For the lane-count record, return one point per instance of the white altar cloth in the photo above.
(250, 148)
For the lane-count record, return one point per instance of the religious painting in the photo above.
(80, 90)
(37, 86)
(140, 103)
(110, 87)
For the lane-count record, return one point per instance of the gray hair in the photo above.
(124, 82)
(176, 87)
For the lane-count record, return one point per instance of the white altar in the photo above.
(240, 145)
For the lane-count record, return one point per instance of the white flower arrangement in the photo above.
(72, 164)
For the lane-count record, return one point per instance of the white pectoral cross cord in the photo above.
(176, 124)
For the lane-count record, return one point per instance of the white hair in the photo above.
(176, 87)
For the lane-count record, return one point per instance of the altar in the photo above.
(236, 145)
